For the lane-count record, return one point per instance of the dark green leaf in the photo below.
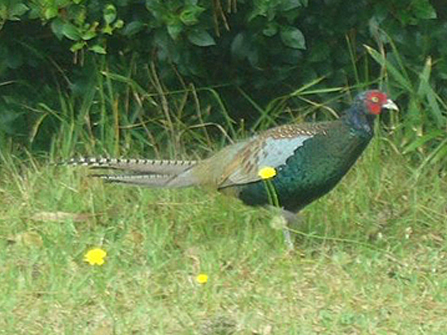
(271, 29)
(110, 14)
(118, 24)
(57, 26)
(76, 15)
(290, 4)
(293, 37)
(190, 15)
(107, 29)
(201, 38)
(71, 32)
(133, 28)
(50, 13)
(98, 49)
(424, 10)
(77, 46)
(240, 46)
(17, 10)
(89, 34)
(175, 30)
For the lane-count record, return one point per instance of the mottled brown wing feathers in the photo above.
(271, 148)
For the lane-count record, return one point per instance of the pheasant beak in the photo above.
(389, 104)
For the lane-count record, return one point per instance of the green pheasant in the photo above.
(309, 160)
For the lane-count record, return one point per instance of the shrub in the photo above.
(265, 48)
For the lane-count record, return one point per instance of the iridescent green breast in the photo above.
(313, 170)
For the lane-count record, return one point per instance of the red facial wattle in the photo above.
(374, 108)
(375, 102)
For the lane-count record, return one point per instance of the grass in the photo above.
(370, 257)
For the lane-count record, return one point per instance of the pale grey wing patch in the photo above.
(276, 151)
(271, 152)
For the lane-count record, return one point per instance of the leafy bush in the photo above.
(275, 40)
(263, 48)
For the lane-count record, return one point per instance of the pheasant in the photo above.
(309, 159)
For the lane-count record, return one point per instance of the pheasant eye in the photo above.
(375, 99)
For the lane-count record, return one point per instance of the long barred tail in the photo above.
(141, 172)
(146, 166)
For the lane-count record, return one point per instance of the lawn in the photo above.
(369, 258)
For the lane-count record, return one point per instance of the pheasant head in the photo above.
(365, 108)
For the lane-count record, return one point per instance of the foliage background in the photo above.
(235, 55)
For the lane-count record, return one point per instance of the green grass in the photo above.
(370, 257)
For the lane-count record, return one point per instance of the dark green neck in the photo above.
(359, 121)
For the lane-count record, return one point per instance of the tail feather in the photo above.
(143, 166)
(148, 180)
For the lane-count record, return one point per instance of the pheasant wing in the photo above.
(271, 148)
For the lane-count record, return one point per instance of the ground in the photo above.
(369, 258)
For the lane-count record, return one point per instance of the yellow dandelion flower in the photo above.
(95, 256)
(267, 172)
(202, 278)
